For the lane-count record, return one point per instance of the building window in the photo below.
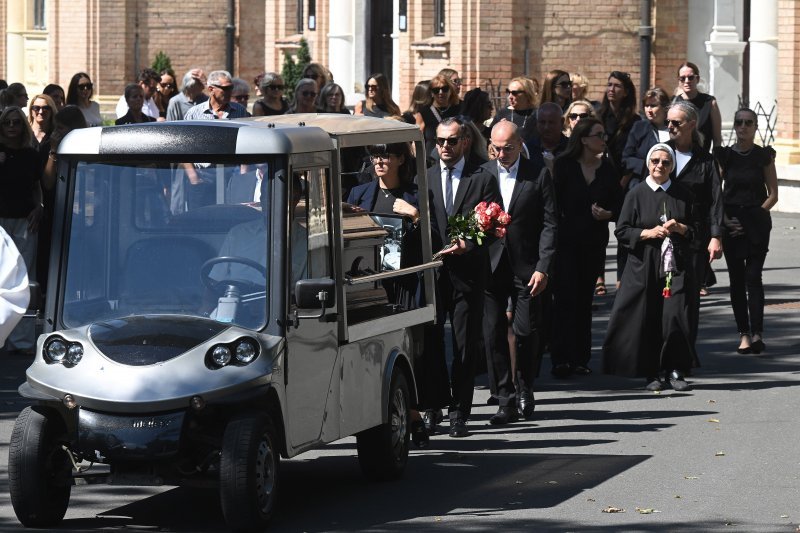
(301, 23)
(438, 17)
(39, 22)
(312, 15)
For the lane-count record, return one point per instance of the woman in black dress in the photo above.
(523, 97)
(648, 332)
(750, 190)
(272, 101)
(331, 100)
(378, 102)
(589, 195)
(445, 104)
(709, 122)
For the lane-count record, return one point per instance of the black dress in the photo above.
(580, 250)
(268, 111)
(524, 119)
(648, 333)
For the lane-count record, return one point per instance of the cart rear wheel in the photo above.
(383, 450)
(248, 473)
(39, 471)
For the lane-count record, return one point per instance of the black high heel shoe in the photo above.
(419, 435)
(758, 346)
(746, 349)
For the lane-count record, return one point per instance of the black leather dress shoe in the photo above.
(458, 428)
(505, 415)
(492, 401)
(527, 404)
(431, 418)
(677, 381)
(561, 371)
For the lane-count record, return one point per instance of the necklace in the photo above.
(523, 122)
(386, 192)
(739, 151)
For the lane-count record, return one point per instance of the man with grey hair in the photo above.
(192, 86)
(219, 105)
(550, 142)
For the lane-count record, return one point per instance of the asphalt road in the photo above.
(721, 457)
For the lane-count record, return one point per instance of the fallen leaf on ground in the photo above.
(690, 477)
(784, 516)
(590, 500)
(719, 454)
(552, 482)
(612, 509)
(678, 496)
(712, 401)
(646, 510)
(714, 420)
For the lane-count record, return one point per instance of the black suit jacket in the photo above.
(241, 188)
(467, 271)
(701, 177)
(530, 240)
(642, 137)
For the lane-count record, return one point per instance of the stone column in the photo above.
(395, 51)
(15, 42)
(725, 50)
(764, 55)
(341, 46)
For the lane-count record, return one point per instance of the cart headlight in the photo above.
(220, 356)
(55, 350)
(246, 351)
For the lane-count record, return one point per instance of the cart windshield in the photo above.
(168, 238)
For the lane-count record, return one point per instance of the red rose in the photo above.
(666, 293)
(494, 209)
(504, 218)
(480, 208)
(484, 222)
(500, 232)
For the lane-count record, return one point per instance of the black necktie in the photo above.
(448, 192)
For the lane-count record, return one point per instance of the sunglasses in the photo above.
(380, 158)
(564, 84)
(601, 135)
(12, 122)
(690, 77)
(167, 85)
(276, 87)
(515, 93)
(241, 97)
(224, 88)
(507, 149)
(449, 141)
(439, 90)
(744, 122)
(372, 87)
(573, 116)
(41, 108)
(309, 94)
(85, 86)
(675, 123)
(656, 161)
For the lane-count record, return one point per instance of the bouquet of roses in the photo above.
(486, 219)
(667, 257)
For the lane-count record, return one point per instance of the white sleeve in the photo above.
(14, 292)
(122, 107)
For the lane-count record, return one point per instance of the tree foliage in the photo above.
(162, 62)
(293, 67)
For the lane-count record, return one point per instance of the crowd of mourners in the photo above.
(561, 165)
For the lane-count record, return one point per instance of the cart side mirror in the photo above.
(319, 293)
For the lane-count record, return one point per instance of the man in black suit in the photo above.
(245, 188)
(456, 187)
(520, 264)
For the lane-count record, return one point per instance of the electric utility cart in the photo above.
(212, 306)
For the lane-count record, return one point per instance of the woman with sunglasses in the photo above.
(646, 133)
(305, 97)
(20, 202)
(648, 333)
(587, 187)
(709, 122)
(522, 94)
(272, 101)
(378, 102)
(41, 114)
(445, 104)
(165, 91)
(80, 93)
(751, 190)
(56, 92)
(577, 111)
(331, 100)
(557, 88)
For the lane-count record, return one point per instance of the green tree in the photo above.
(293, 68)
(162, 62)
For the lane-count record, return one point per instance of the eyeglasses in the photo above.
(449, 141)
(744, 122)
(656, 161)
(675, 123)
(85, 86)
(12, 122)
(601, 135)
(41, 108)
(508, 148)
(241, 97)
(564, 84)
(380, 158)
(439, 90)
(167, 85)
(574, 116)
(276, 87)
(223, 88)
(515, 93)
(372, 87)
(690, 77)
(309, 94)
(456, 82)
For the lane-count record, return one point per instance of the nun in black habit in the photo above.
(648, 333)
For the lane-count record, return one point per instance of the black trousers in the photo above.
(747, 291)
(503, 285)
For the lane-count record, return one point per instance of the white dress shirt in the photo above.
(507, 178)
(458, 169)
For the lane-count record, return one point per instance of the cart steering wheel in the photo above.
(219, 286)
